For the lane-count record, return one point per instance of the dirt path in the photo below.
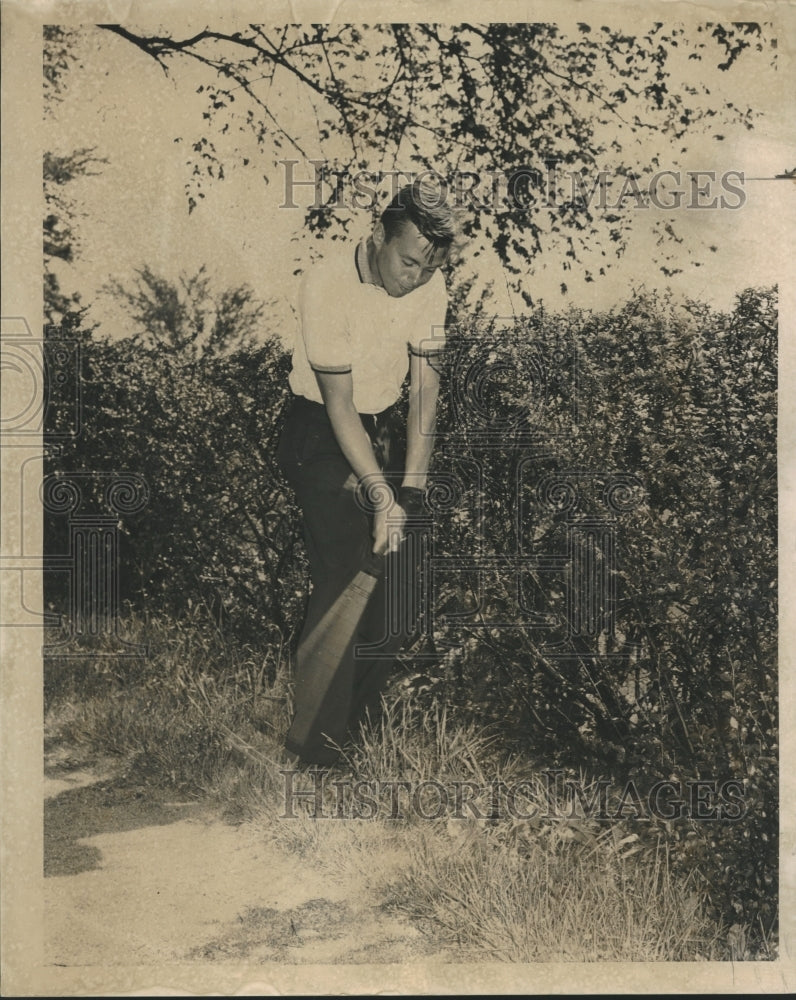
(135, 878)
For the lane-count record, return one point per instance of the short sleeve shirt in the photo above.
(348, 324)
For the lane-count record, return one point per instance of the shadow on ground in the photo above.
(94, 806)
(152, 879)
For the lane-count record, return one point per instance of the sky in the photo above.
(134, 212)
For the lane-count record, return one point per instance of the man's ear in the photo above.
(379, 236)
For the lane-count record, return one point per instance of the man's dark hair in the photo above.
(423, 203)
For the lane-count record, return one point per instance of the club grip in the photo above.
(373, 563)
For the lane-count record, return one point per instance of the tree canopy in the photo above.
(470, 102)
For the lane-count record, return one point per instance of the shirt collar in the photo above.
(366, 276)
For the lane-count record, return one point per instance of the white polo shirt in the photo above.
(348, 324)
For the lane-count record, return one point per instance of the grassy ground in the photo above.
(206, 717)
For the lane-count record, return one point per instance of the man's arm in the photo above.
(421, 421)
(337, 390)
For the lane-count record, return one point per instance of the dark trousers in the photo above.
(337, 533)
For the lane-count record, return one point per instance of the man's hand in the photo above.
(388, 529)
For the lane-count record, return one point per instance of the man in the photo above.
(369, 314)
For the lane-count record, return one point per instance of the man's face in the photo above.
(406, 261)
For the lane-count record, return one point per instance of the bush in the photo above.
(220, 527)
(679, 404)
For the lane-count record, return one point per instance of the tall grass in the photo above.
(208, 716)
(187, 715)
(547, 899)
(563, 889)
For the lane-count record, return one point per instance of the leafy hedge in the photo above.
(220, 527)
(680, 401)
